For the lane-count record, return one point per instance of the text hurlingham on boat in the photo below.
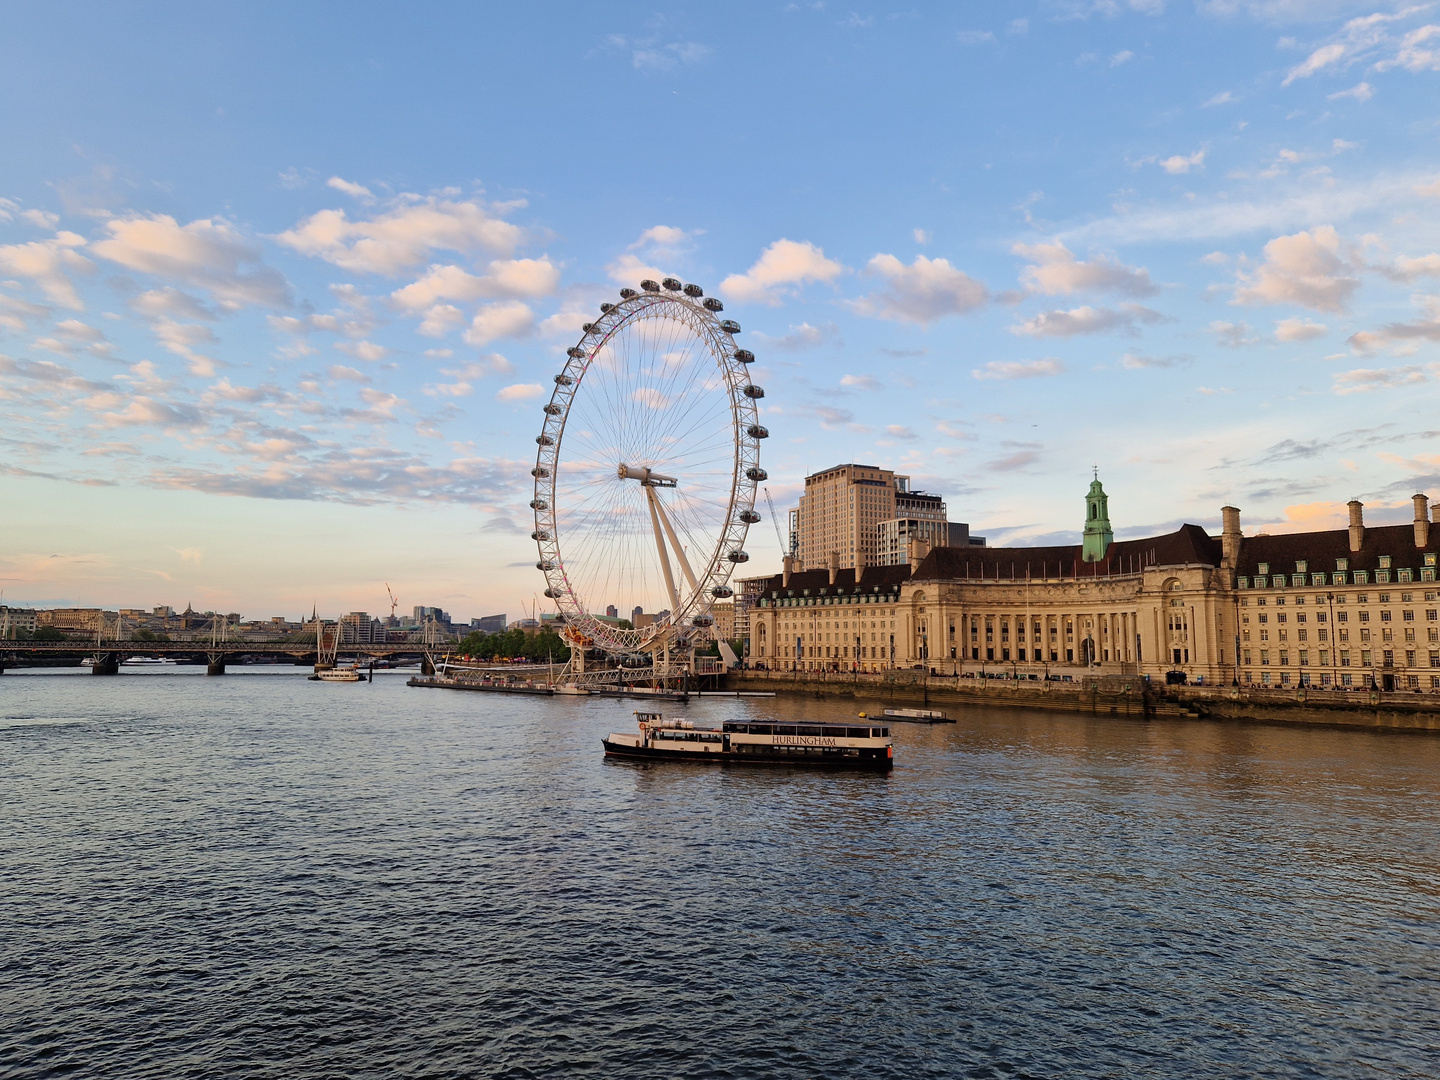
(850, 745)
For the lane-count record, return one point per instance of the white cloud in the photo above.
(355, 191)
(509, 278)
(1308, 268)
(1179, 164)
(669, 56)
(1225, 97)
(182, 340)
(508, 318)
(1428, 191)
(1299, 330)
(922, 237)
(42, 219)
(1087, 320)
(629, 269)
(861, 382)
(1424, 329)
(781, 267)
(440, 320)
(521, 392)
(926, 290)
(403, 236)
(49, 264)
(1121, 57)
(1056, 272)
(1020, 369)
(1140, 362)
(171, 302)
(16, 313)
(1409, 269)
(803, 336)
(1360, 92)
(207, 254)
(368, 351)
(900, 431)
(975, 37)
(1413, 55)
(1363, 380)
(1321, 58)
(1232, 335)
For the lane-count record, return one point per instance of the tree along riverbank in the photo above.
(1116, 695)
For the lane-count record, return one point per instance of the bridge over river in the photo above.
(107, 656)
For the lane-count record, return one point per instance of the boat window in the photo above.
(801, 729)
(734, 727)
(860, 733)
(762, 729)
(835, 732)
(884, 732)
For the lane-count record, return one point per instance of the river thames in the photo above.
(260, 876)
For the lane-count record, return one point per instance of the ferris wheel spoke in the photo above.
(659, 395)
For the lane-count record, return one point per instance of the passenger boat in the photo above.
(147, 661)
(338, 674)
(849, 745)
(919, 716)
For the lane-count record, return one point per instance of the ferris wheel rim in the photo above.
(711, 580)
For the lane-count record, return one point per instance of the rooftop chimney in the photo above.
(859, 564)
(833, 562)
(1422, 520)
(1357, 524)
(1230, 537)
(788, 563)
(918, 550)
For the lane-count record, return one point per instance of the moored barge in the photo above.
(848, 745)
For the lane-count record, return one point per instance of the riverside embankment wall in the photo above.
(1115, 696)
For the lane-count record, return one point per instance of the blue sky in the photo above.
(280, 285)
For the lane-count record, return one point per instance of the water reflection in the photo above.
(258, 875)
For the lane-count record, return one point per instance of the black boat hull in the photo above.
(783, 756)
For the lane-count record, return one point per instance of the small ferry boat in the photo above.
(919, 716)
(338, 674)
(849, 745)
(147, 661)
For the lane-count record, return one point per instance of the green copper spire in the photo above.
(1098, 533)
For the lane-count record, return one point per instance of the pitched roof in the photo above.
(1319, 550)
(1189, 544)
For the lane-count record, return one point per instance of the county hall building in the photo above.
(1345, 607)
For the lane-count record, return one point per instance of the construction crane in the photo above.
(393, 602)
(774, 520)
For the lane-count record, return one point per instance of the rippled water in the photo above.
(257, 875)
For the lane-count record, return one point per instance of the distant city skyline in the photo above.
(281, 294)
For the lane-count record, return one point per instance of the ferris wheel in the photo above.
(647, 466)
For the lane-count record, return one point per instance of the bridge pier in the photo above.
(215, 667)
(427, 664)
(106, 664)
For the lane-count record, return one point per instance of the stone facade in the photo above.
(1352, 607)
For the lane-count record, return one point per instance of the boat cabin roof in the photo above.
(795, 727)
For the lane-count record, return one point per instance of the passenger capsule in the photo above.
(756, 431)
(552, 594)
(750, 517)
(738, 557)
(606, 307)
(757, 474)
(553, 410)
(673, 284)
(544, 564)
(702, 621)
(539, 504)
(626, 294)
(539, 534)
(540, 472)
(649, 286)
(588, 327)
(694, 292)
(575, 353)
(730, 326)
(753, 391)
(745, 356)
(714, 305)
(544, 440)
(564, 380)
(720, 592)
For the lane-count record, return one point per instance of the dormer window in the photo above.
(1384, 562)
(1302, 566)
(1429, 558)
(1342, 564)
(1263, 568)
